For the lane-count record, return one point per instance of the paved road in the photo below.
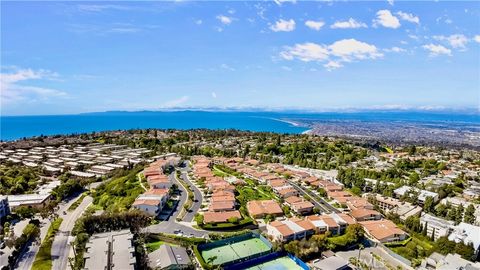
(28, 257)
(198, 196)
(183, 194)
(61, 243)
(317, 200)
(172, 227)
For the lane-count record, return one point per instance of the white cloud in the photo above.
(415, 37)
(198, 22)
(477, 38)
(12, 89)
(408, 17)
(386, 19)
(351, 49)
(225, 19)
(227, 67)
(346, 50)
(214, 95)
(286, 68)
(176, 102)
(306, 52)
(331, 65)
(437, 49)
(395, 49)
(100, 8)
(315, 25)
(351, 23)
(280, 2)
(283, 26)
(456, 41)
(391, 2)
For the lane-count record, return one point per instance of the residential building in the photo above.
(28, 200)
(422, 194)
(383, 231)
(364, 214)
(331, 263)
(4, 207)
(169, 257)
(219, 217)
(290, 229)
(449, 262)
(110, 250)
(262, 208)
(467, 234)
(436, 226)
(299, 205)
(392, 205)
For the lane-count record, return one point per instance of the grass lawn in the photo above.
(43, 260)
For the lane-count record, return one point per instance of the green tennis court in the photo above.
(230, 252)
(282, 263)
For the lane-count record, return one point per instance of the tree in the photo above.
(459, 214)
(425, 229)
(413, 179)
(469, 215)
(429, 205)
(25, 212)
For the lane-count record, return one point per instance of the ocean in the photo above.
(17, 127)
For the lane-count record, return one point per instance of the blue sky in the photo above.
(72, 57)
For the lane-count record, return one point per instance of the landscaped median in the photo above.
(43, 260)
(188, 204)
(74, 205)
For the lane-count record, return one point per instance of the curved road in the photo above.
(198, 196)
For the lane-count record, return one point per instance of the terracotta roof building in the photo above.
(262, 208)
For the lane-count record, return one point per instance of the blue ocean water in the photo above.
(16, 127)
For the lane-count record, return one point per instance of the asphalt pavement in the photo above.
(198, 197)
(61, 244)
(317, 200)
(30, 252)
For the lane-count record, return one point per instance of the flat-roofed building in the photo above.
(437, 226)
(82, 174)
(4, 207)
(111, 250)
(422, 194)
(152, 201)
(169, 257)
(468, 234)
(392, 205)
(28, 200)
